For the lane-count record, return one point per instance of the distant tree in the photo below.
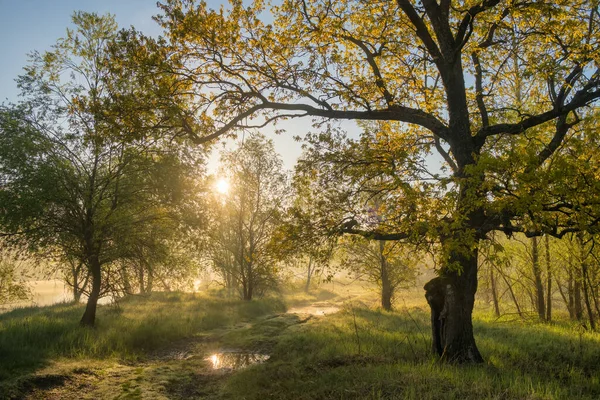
(299, 240)
(244, 219)
(389, 265)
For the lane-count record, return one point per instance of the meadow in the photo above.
(160, 346)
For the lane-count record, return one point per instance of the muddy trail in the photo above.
(193, 368)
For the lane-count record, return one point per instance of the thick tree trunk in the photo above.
(89, 316)
(451, 297)
(537, 275)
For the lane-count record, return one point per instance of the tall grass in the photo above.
(369, 354)
(31, 337)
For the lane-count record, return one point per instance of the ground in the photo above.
(335, 345)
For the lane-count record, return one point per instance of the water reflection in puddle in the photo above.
(235, 360)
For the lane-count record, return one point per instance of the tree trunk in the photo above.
(564, 297)
(584, 279)
(586, 296)
(248, 293)
(150, 280)
(571, 290)
(451, 297)
(537, 274)
(549, 280)
(577, 305)
(513, 296)
(308, 275)
(141, 279)
(89, 316)
(126, 284)
(494, 291)
(387, 291)
(77, 287)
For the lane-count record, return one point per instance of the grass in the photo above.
(369, 354)
(360, 352)
(32, 337)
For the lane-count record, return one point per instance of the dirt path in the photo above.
(189, 369)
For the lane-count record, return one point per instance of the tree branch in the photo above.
(421, 29)
(582, 98)
(393, 113)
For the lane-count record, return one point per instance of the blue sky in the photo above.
(28, 25)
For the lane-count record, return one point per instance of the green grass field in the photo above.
(156, 347)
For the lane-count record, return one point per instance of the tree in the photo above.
(389, 265)
(72, 184)
(438, 74)
(246, 217)
(299, 239)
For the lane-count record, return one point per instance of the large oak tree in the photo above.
(442, 74)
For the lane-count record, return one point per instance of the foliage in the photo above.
(504, 92)
(13, 271)
(72, 185)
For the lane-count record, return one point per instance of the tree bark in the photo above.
(451, 297)
(387, 291)
(578, 306)
(537, 274)
(249, 290)
(89, 316)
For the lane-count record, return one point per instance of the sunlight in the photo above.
(222, 186)
(216, 362)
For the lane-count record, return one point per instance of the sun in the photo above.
(222, 186)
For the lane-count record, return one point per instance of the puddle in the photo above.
(314, 310)
(235, 360)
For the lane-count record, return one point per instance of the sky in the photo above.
(28, 25)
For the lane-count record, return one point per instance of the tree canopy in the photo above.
(501, 90)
